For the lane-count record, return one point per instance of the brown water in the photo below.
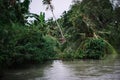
(69, 70)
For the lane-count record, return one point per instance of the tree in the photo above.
(50, 6)
(13, 11)
(87, 18)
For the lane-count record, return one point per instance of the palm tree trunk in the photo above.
(57, 24)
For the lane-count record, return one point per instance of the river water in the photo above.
(108, 69)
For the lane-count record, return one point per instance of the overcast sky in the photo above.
(60, 6)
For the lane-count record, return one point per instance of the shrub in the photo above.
(67, 56)
(91, 48)
(21, 44)
(33, 46)
(94, 48)
(79, 54)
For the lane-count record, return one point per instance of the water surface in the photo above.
(108, 69)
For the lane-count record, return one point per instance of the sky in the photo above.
(60, 6)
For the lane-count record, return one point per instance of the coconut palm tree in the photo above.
(50, 7)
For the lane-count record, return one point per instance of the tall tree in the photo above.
(50, 6)
(87, 18)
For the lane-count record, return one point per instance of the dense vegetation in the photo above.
(22, 42)
(89, 30)
(94, 19)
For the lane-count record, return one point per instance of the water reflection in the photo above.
(70, 70)
(59, 71)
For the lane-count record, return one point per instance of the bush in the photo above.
(21, 44)
(34, 46)
(67, 56)
(91, 48)
(79, 54)
(70, 54)
(94, 48)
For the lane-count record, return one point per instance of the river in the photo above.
(108, 69)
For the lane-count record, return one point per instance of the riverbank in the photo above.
(110, 58)
(68, 70)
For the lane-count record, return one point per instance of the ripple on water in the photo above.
(69, 70)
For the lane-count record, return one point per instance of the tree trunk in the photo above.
(57, 24)
(62, 40)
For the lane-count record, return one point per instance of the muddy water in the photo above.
(108, 69)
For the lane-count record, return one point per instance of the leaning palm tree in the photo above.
(50, 7)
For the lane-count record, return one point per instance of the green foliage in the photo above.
(20, 44)
(79, 54)
(67, 56)
(37, 42)
(90, 18)
(94, 48)
(91, 48)
(39, 19)
(12, 11)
